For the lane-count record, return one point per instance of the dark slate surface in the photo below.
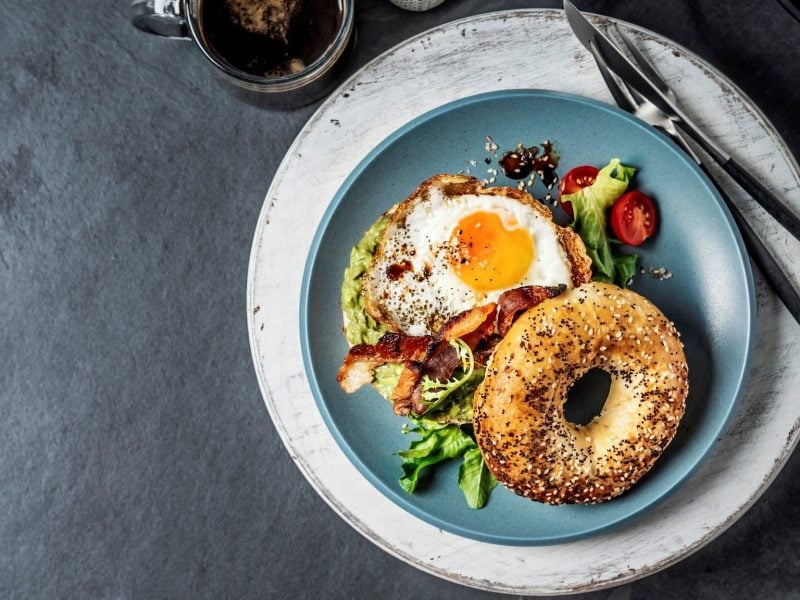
(137, 459)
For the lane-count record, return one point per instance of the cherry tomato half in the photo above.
(575, 179)
(633, 218)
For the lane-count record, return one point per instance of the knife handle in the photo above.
(772, 271)
(779, 211)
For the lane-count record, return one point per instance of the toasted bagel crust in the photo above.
(453, 186)
(519, 408)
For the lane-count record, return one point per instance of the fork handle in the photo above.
(761, 256)
(779, 211)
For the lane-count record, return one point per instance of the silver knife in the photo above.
(589, 35)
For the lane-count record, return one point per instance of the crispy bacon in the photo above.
(412, 402)
(397, 347)
(355, 373)
(481, 328)
(404, 390)
(403, 406)
(359, 364)
(475, 320)
(484, 350)
(513, 302)
(442, 362)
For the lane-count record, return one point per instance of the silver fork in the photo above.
(630, 100)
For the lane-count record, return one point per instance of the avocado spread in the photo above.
(360, 328)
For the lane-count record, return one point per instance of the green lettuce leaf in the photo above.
(590, 206)
(437, 443)
(625, 265)
(475, 479)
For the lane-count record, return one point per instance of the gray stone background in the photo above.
(137, 459)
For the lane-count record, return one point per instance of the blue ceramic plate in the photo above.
(709, 297)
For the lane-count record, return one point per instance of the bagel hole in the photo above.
(586, 397)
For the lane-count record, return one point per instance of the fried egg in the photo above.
(454, 245)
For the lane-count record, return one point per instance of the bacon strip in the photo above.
(407, 396)
(397, 347)
(481, 328)
(412, 372)
(359, 365)
(478, 319)
(514, 302)
(442, 362)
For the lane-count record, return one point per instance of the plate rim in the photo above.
(406, 503)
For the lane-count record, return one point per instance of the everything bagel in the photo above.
(519, 408)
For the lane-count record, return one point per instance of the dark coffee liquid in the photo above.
(269, 37)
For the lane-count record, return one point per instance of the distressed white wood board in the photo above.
(461, 59)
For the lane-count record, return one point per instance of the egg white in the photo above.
(428, 292)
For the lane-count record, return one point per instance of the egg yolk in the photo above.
(487, 255)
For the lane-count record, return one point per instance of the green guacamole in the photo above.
(360, 328)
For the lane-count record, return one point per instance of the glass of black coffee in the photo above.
(271, 46)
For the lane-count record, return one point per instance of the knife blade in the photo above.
(620, 64)
(630, 73)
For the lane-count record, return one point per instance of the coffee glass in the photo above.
(181, 19)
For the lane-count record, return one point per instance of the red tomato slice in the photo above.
(633, 218)
(575, 179)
